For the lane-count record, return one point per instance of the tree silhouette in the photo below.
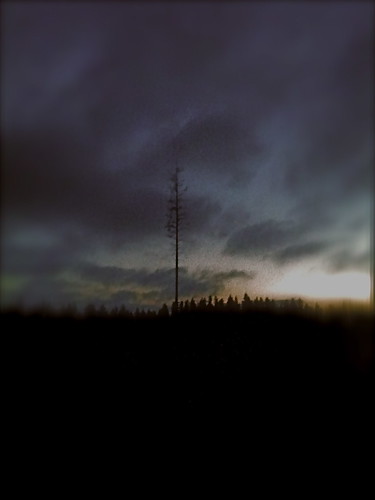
(175, 217)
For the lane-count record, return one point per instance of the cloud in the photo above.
(260, 102)
(206, 282)
(348, 260)
(297, 252)
(40, 290)
(287, 242)
(113, 275)
(110, 285)
(216, 142)
(260, 238)
(33, 261)
(331, 155)
(281, 241)
(49, 181)
(158, 286)
(36, 251)
(122, 297)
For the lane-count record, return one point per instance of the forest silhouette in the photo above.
(208, 354)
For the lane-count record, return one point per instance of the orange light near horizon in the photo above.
(319, 285)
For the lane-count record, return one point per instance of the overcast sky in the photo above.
(270, 105)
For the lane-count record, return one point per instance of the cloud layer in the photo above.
(266, 106)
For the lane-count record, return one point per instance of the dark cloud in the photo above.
(261, 238)
(221, 141)
(348, 260)
(149, 289)
(109, 285)
(160, 283)
(27, 260)
(51, 181)
(294, 253)
(112, 275)
(206, 282)
(99, 100)
(122, 297)
(43, 290)
(285, 242)
(333, 155)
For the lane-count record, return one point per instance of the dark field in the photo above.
(286, 389)
(247, 364)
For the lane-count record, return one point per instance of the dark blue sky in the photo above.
(271, 106)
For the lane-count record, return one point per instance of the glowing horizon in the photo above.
(322, 286)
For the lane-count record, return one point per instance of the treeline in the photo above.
(207, 354)
(233, 305)
(192, 306)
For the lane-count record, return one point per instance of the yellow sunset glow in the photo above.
(314, 284)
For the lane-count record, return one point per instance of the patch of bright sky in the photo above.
(302, 282)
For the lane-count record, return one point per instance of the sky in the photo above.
(266, 106)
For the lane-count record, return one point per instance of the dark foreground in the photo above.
(288, 390)
(246, 364)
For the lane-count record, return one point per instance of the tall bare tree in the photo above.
(372, 256)
(176, 217)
